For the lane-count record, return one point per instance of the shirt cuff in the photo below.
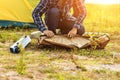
(77, 26)
(43, 29)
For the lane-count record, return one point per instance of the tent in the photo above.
(17, 13)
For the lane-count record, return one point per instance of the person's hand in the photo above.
(48, 33)
(72, 32)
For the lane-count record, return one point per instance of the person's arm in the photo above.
(38, 12)
(78, 16)
(79, 12)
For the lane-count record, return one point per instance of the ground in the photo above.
(36, 63)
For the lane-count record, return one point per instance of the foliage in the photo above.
(21, 66)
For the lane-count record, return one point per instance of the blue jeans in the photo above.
(53, 21)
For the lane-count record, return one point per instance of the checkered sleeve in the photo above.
(79, 12)
(37, 13)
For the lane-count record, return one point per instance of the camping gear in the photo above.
(102, 41)
(98, 41)
(22, 42)
(17, 13)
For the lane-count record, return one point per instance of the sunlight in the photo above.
(103, 1)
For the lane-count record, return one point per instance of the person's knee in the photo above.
(53, 11)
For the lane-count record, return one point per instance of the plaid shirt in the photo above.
(44, 5)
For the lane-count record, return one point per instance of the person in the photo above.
(57, 15)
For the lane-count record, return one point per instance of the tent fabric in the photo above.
(16, 13)
(6, 23)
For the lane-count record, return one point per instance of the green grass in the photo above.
(55, 63)
(103, 18)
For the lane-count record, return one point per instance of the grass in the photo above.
(20, 64)
(103, 18)
(55, 63)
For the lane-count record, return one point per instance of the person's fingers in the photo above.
(70, 35)
(73, 35)
(50, 34)
(47, 34)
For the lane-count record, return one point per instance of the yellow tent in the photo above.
(16, 13)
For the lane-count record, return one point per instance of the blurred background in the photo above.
(102, 15)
